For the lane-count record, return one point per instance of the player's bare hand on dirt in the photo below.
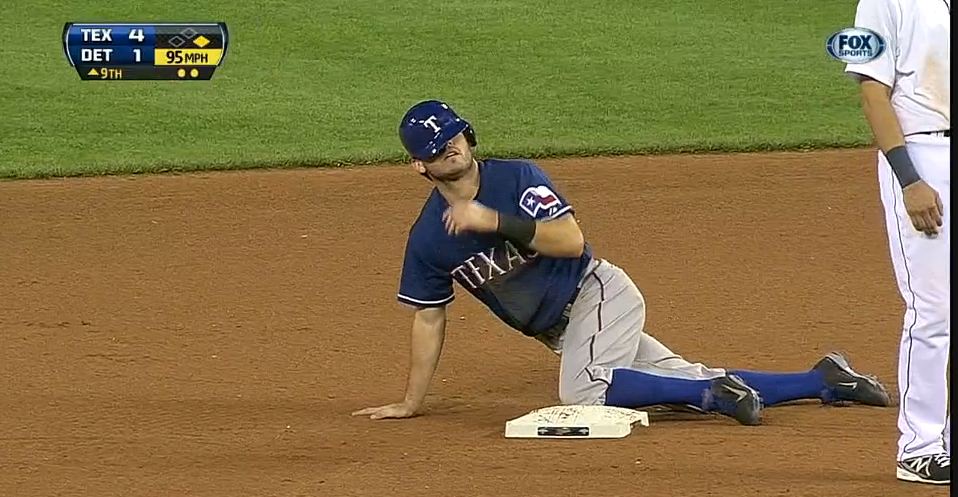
(470, 216)
(394, 411)
(923, 205)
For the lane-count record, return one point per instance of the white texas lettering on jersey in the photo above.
(483, 267)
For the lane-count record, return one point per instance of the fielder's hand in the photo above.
(394, 411)
(924, 207)
(470, 216)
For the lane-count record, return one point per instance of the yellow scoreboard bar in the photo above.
(187, 56)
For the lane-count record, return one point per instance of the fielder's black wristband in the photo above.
(901, 164)
(516, 229)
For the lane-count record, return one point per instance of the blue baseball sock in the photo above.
(631, 388)
(775, 388)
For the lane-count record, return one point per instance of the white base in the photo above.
(576, 422)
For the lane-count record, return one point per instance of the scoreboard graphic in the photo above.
(145, 51)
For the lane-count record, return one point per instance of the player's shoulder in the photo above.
(497, 163)
(431, 211)
(513, 167)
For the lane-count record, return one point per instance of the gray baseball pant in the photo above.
(606, 331)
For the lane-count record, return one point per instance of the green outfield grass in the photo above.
(325, 82)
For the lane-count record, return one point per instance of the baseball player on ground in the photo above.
(906, 96)
(502, 230)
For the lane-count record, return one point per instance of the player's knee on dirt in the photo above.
(581, 391)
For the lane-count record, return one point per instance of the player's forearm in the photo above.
(876, 104)
(428, 334)
(557, 239)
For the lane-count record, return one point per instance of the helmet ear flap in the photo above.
(470, 136)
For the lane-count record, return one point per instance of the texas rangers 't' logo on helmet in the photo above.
(539, 198)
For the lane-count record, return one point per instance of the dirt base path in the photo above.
(209, 334)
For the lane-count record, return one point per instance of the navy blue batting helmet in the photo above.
(428, 126)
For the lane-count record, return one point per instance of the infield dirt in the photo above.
(208, 334)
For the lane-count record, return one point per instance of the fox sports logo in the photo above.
(855, 45)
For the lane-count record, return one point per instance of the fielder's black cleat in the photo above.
(934, 469)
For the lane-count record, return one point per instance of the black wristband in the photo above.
(901, 164)
(515, 229)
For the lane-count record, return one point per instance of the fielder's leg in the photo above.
(922, 270)
(946, 435)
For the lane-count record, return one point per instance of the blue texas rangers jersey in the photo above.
(525, 290)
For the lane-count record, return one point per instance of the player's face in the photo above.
(453, 163)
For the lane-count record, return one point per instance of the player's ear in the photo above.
(418, 166)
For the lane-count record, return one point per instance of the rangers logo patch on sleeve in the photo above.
(539, 198)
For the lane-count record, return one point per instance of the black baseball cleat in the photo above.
(934, 469)
(846, 385)
(729, 395)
